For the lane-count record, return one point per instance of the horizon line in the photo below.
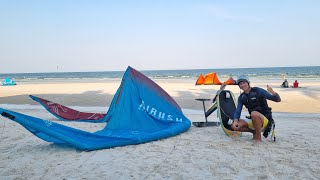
(162, 69)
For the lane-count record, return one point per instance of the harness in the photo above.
(256, 102)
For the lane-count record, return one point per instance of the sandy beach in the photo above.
(199, 153)
(100, 93)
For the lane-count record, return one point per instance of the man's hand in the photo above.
(235, 125)
(270, 90)
(223, 85)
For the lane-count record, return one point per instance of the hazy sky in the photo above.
(92, 35)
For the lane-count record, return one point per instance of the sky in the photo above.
(102, 35)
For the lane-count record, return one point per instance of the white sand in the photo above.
(200, 153)
(82, 93)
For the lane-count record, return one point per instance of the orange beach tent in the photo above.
(212, 79)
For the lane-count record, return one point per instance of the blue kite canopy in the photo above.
(8, 82)
(140, 111)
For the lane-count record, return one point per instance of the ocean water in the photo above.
(274, 73)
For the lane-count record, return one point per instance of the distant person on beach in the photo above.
(295, 84)
(285, 84)
(255, 100)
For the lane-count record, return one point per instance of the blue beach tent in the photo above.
(8, 82)
(140, 111)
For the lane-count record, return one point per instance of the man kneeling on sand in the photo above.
(255, 100)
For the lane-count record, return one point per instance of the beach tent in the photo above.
(212, 79)
(200, 80)
(8, 82)
(140, 111)
(208, 79)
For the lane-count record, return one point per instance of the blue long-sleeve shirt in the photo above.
(260, 91)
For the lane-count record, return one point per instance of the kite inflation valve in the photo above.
(230, 122)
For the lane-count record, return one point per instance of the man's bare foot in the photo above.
(256, 142)
(254, 136)
(253, 139)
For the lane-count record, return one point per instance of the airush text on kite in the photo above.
(158, 114)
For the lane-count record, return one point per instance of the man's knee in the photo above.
(257, 118)
(255, 115)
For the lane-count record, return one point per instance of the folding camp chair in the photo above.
(211, 109)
